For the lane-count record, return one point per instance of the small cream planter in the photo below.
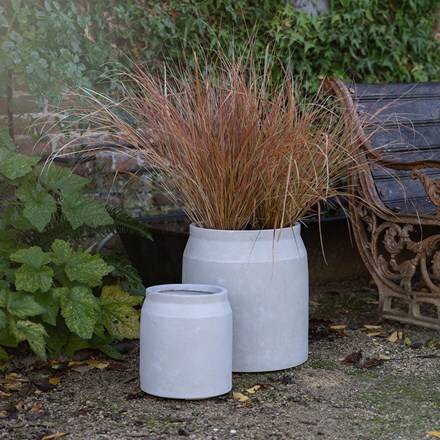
(186, 341)
(266, 275)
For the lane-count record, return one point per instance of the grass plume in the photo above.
(242, 153)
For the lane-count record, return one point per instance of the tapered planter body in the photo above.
(266, 275)
(186, 341)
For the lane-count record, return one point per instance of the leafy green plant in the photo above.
(56, 296)
(46, 43)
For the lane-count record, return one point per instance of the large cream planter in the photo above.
(266, 275)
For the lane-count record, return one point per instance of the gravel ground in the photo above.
(389, 391)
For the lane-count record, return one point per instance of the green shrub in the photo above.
(45, 43)
(56, 296)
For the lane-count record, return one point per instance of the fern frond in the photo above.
(126, 224)
(127, 276)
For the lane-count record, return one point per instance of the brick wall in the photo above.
(118, 180)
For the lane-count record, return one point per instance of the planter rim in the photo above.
(251, 234)
(187, 292)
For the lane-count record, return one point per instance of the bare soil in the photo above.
(391, 390)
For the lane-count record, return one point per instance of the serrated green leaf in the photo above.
(33, 256)
(14, 217)
(99, 329)
(5, 139)
(80, 309)
(51, 306)
(87, 268)
(4, 356)
(104, 346)
(3, 21)
(115, 294)
(82, 210)
(75, 343)
(16, 5)
(61, 179)
(23, 306)
(7, 339)
(4, 285)
(62, 252)
(39, 205)
(30, 279)
(3, 321)
(58, 292)
(14, 165)
(34, 334)
(57, 338)
(4, 264)
(120, 319)
(4, 295)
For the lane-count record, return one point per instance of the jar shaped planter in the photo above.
(186, 341)
(266, 275)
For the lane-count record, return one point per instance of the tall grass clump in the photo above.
(243, 153)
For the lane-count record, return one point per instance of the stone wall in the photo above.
(313, 7)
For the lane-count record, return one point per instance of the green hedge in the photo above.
(45, 43)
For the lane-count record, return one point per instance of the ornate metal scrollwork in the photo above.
(432, 188)
(398, 256)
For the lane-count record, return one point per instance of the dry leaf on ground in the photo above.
(53, 436)
(395, 336)
(54, 380)
(432, 343)
(353, 358)
(372, 334)
(85, 366)
(240, 397)
(253, 389)
(338, 327)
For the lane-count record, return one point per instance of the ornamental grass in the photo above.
(242, 152)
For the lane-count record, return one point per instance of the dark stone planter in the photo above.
(159, 261)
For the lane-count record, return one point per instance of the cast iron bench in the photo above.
(397, 216)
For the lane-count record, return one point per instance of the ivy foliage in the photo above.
(57, 297)
(45, 43)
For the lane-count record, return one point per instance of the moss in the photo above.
(404, 406)
(321, 364)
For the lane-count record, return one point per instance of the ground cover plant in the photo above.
(55, 295)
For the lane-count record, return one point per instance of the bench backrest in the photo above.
(401, 123)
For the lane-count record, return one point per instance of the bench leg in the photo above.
(404, 261)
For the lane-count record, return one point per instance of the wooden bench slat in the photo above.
(413, 206)
(399, 192)
(393, 91)
(381, 173)
(396, 111)
(403, 143)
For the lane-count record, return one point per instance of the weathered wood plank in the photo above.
(406, 143)
(393, 91)
(401, 193)
(406, 110)
(412, 206)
